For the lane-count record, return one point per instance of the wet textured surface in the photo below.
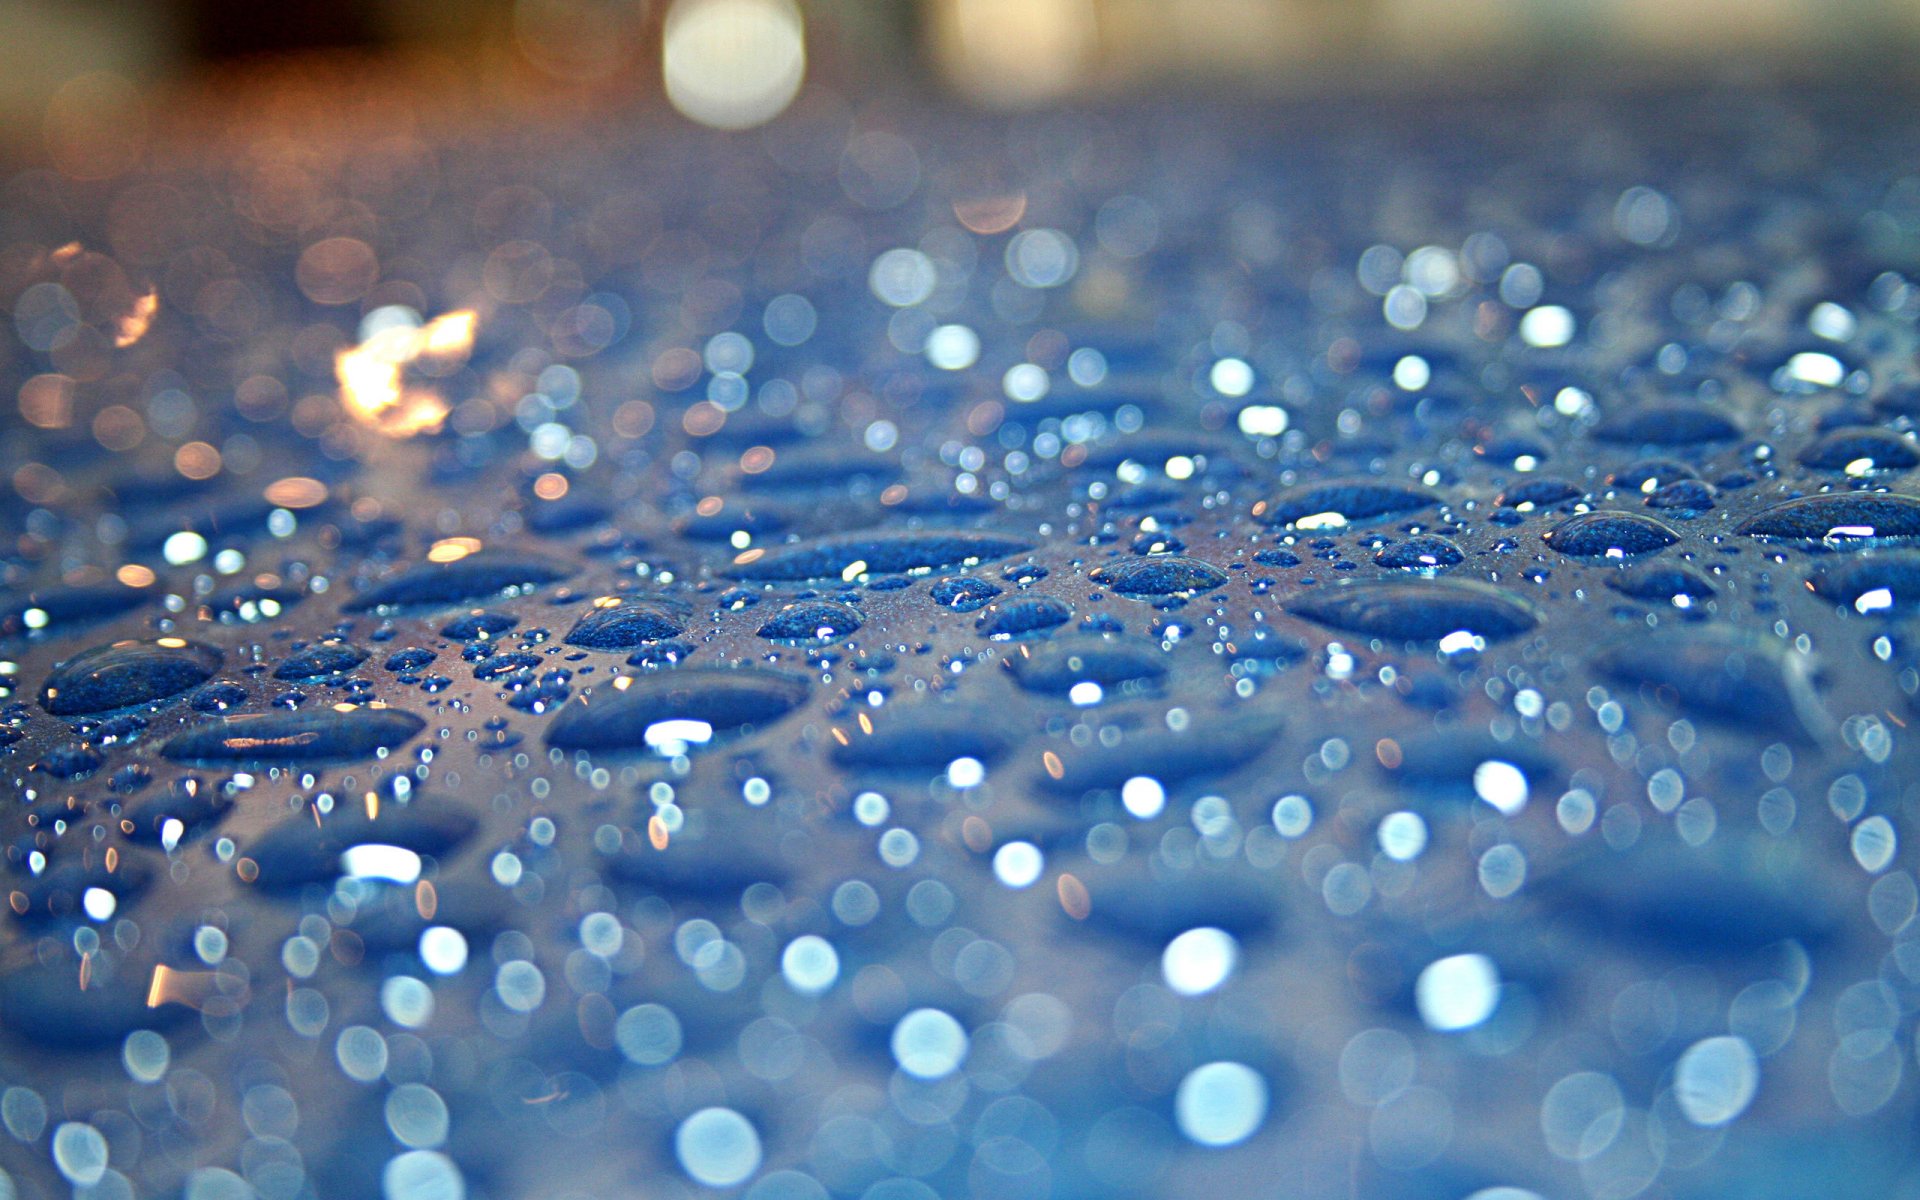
(1108, 654)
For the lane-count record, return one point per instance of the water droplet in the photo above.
(310, 735)
(1418, 610)
(882, 554)
(1609, 535)
(614, 717)
(626, 624)
(1335, 504)
(125, 674)
(1158, 575)
(470, 578)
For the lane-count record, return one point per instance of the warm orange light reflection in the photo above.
(452, 549)
(372, 375)
(134, 325)
(991, 214)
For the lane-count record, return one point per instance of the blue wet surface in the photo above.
(1356, 650)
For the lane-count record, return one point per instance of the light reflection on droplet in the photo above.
(1457, 992)
(1221, 1103)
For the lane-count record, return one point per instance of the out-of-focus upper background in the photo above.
(79, 78)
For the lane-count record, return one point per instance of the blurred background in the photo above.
(80, 71)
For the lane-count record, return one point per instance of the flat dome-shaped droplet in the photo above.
(302, 850)
(43, 1006)
(1726, 900)
(1128, 901)
(1873, 583)
(1666, 424)
(1660, 581)
(917, 735)
(127, 673)
(1424, 552)
(479, 624)
(1609, 535)
(1200, 748)
(307, 735)
(1158, 575)
(1336, 504)
(811, 621)
(1418, 610)
(713, 868)
(195, 803)
(624, 625)
(1058, 665)
(1022, 615)
(321, 660)
(1537, 493)
(1838, 519)
(470, 578)
(69, 604)
(882, 554)
(616, 717)
(1858, 451)
(964, 593)
(1721, 675)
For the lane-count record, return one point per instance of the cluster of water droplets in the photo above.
(1038, 658)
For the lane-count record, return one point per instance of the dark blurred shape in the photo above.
(228, 29)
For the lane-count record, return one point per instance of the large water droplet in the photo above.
(483, 574)
(264, 739)
(1418, 610)
(127, 673)
(882, 554)
(1609, 535)
(620, 715)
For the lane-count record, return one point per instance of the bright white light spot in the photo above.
(99, 903)
(1874, 600)
(810, 964)
(1199, 960)
(183, 548)
(1546, 327)
(1461, 640)
(1143, 797)
(1221, 1103)
(1018, 864)
(1292, 816)
(1831, 321)
(1231, 377)
(929, 1044)
(1457, 992)
(1412, 373)
(1263, 420)
(953, 347)
(443, 949)
(394, 864)
(717, 1147)
(1403, 835)
(1084, 693)
(965, 773)
(733, 64)
(1025, 383)
(1502, 785)
(677, 736)
(1715, 1080)
(1819, 370)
